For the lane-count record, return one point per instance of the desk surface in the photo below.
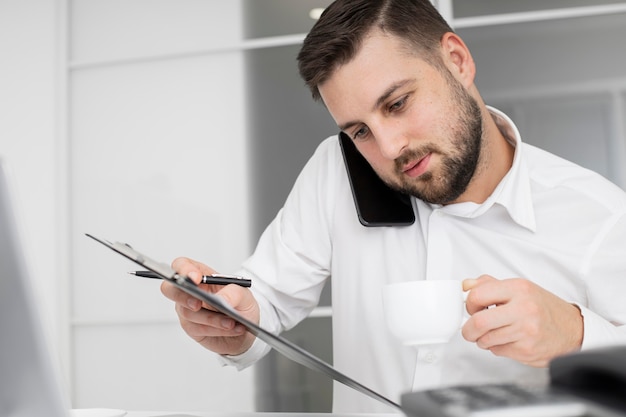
(103, 412)
(245, 414)
(234, 414)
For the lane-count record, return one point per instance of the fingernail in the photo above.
(468, 284)
(228, 324)
(193, 303)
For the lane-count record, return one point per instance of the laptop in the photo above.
(29, 381)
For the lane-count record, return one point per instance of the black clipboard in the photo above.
(282, 345)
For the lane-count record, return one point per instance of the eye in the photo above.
(398, 104)
(361, 133)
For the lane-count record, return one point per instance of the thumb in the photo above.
(239, 298)
(469, 283)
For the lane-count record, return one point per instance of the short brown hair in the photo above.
(336, 37)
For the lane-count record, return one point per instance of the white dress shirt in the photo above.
(549, 220)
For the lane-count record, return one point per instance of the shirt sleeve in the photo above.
(599, 332)
(604, 316)
(258, 349)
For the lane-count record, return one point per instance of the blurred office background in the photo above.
(179, 126)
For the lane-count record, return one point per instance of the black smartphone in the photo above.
(376, 203)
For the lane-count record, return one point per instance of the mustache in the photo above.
(413, 155)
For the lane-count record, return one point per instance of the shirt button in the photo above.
(430, 357)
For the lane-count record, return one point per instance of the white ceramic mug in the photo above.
(424, 312)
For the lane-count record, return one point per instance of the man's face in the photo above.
(419, 128)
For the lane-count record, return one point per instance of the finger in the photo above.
(237, 297)
(170, 291)
(488, 292)
(468, 284)
(201, 333)
(183, 263)
(205, 323)
(492, 331)
(486, 321)
(190, 268)
(501, 336)
(471, 283)
(521, 352)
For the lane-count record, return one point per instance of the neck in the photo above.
(496, 159)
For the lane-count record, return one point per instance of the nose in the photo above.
(391, 141)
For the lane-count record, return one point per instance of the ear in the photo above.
(458, 59)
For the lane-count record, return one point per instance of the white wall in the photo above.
(28, 139)
(562, 83)
(157, 141)
(125, 119)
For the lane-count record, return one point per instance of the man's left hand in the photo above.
(518, 319)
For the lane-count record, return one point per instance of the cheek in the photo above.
(427, 122)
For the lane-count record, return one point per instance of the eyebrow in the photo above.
(380, 101)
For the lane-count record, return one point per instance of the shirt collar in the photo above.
(513, 192)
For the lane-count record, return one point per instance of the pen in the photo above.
(218, 279)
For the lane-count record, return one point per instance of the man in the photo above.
(538, 241)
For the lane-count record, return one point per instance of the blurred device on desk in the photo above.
(30, 383)
(583, 384)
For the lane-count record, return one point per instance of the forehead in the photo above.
(382, 61)
(379, 45)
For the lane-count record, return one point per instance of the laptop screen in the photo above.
(29, 383)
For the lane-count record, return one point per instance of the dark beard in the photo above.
(458, 170)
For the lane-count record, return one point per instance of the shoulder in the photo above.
(323, 176)
(571, 182)
(328, 150)
(326, 163)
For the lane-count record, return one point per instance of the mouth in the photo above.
(416, 168)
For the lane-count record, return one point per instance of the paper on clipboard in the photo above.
(282, 345)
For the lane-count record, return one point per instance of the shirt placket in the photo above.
(438, 266)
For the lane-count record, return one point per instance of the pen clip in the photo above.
(230, 276)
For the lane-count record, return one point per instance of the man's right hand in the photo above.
(213, 330)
